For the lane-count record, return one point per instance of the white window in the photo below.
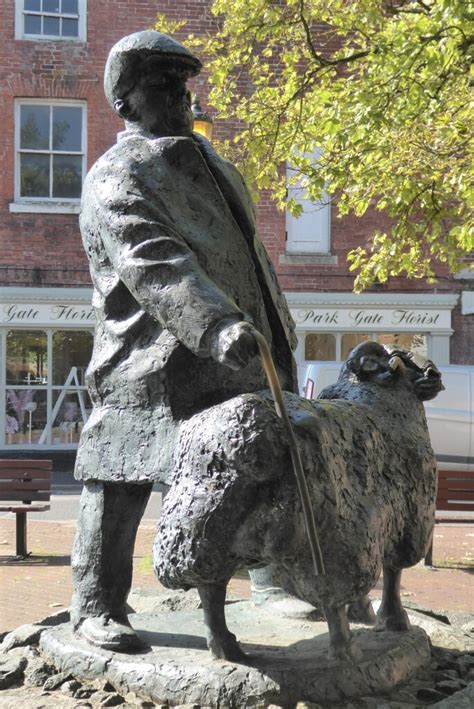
(50, 142)
(310, 232)
(51, 19)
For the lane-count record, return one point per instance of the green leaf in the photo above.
(383, 89)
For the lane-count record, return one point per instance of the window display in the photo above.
(42, 386)
(26, 415)
(326, 347)
(320, 346)
(27, 357)
(351, 340)
(70, 349)
(71, 409)
(407, 341)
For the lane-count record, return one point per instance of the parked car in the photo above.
(449, 415)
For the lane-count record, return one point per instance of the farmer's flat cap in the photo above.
(125, 57)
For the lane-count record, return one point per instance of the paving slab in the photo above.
(288, 660)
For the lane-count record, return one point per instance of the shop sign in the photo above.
(46, 314)
(403, 318)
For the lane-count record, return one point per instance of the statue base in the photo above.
(287, 660)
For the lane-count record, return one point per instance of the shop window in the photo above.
(320, 346)
(408, 341)
(50, 139)
(43, 390)
(26, 415)
(352, 339)
(27, 357)
(71, 409)
(71, 350)
(310, 232)
(51, 19)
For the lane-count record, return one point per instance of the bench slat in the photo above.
(457, 485)
(453, 479)
(455, 495)
(467, 492)
(26, 495)
(24, 508)
(25, 463)
(22, 473)
(21, 485)
(454, 506)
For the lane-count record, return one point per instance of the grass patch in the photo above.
(146, 564)
(466, 564)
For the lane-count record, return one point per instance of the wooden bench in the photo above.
(455, 494)
(23, 482)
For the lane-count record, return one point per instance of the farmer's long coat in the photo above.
(169, 230)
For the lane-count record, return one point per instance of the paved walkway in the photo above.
(41, 584)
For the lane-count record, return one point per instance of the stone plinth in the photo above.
(288, 660)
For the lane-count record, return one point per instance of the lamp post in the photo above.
(202, 120)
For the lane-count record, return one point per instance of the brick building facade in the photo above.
(55, 123)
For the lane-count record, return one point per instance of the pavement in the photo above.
(39, 585)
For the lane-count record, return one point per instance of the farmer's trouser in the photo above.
(102, 556)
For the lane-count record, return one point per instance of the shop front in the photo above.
(46, 337)
(330, 325)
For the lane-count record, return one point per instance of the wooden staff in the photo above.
(280, 407)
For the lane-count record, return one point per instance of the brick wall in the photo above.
(45, 249)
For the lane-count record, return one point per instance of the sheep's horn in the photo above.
(395, 363)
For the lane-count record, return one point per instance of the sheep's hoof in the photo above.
(361, 611)
(226, 648)
(397, 622)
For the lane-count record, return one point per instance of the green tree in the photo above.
(382, 89)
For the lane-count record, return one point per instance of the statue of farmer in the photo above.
(178, 269)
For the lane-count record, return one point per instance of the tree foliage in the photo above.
(381, 89)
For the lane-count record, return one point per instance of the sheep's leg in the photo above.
(341, 642)
(391, 615)
(361, 611)
(220, 641)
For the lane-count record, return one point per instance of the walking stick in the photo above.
(280, 407)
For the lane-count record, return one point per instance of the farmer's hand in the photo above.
(234, 345)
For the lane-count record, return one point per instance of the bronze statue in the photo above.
(177, 267)
(180, 397)
(371, 473)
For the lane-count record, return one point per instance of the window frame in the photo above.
(321, 245)
(19, 200)
(19, 24)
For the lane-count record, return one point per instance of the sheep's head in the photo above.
(420, 371)
(371, 361)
